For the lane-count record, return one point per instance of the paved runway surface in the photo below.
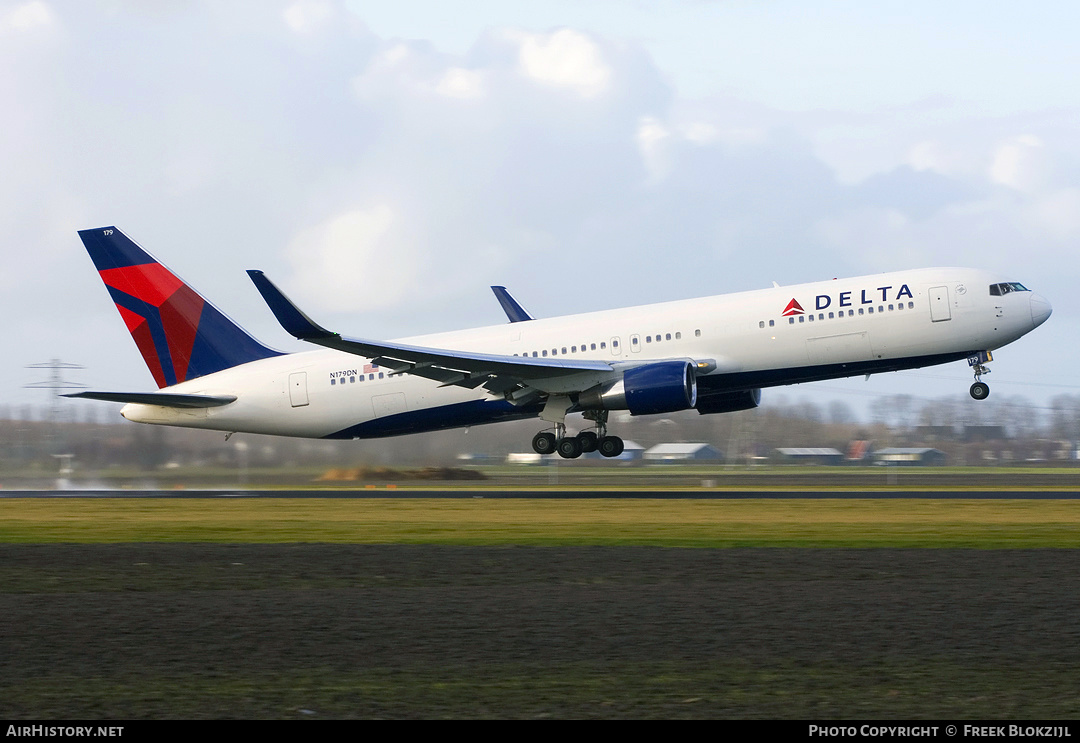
(554, 494)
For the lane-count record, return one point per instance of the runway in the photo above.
(552, 494)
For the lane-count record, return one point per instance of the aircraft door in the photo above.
(298, 389)
(635, 343)
(616, 346)
(939, 304)
(388, 404)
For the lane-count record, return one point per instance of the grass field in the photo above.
(914, 522)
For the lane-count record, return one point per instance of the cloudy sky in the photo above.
(386, 162)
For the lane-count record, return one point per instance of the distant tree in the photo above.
(840, 412)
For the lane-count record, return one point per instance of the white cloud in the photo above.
(26, 17)
(651, 139)
(308, 16)
(457, 82)
(1057, 216)
(564, 59)
(354, 261)
(1020, 163)
(938, 157)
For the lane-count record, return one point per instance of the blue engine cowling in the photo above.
(660, 388)
(663, 387)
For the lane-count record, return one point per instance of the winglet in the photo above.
(291, 317)
(514, 311)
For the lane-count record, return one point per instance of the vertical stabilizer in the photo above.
(180, 335)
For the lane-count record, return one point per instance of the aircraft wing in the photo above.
(166, 399)
(463, 368)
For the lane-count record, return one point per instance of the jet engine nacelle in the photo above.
(728, 402)
(663, 387)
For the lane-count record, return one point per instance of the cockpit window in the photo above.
(997, 290)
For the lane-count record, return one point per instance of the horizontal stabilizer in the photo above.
(166, 399)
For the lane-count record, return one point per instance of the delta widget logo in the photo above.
(794, 308)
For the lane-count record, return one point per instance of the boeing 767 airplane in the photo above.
(713, 354)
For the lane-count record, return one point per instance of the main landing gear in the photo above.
(980, 390)
(572, 447)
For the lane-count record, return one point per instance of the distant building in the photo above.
(984, 433)
(682, 453)
(910, 456)
(809, 455)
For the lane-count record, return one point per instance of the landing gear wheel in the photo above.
(611, 446)
(544, 443)
(980, 390)
(569, 447)
(589, 441)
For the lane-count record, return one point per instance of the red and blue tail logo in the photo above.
(180, 335)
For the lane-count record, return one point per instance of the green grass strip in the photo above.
(914, 522)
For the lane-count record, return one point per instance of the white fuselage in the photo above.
(831, 329)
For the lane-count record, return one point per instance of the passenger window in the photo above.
(697, 333)
(678, 336)
(761, 324)
(544, 352)
(667, 337)
(772, 323)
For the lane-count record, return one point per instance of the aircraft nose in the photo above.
(1040, 309)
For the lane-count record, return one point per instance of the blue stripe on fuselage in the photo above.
(458, 415)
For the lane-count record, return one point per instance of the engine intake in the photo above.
(663, 387)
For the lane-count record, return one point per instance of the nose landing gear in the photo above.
(980, 390)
